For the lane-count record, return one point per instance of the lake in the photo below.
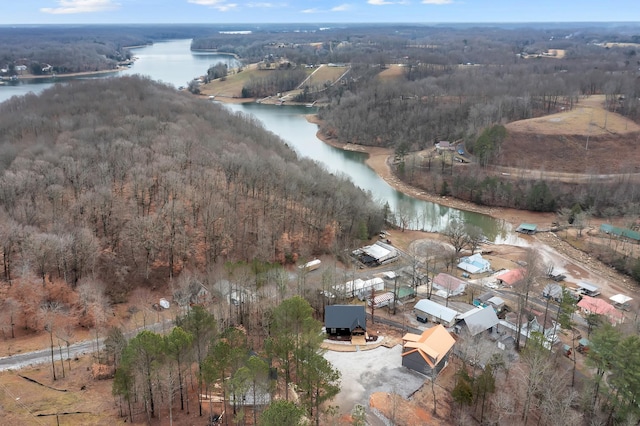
(173, 62)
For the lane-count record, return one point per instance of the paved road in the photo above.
(18, 361)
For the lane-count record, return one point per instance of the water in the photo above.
(290, 124)
(173, 63)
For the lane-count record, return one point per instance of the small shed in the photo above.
(583, 346)
(527, 228)
(497, 303)
(428, 310)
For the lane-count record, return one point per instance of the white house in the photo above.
(448, 285)
(428, 310)
(474, 264)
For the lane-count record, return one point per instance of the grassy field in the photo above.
(393, 71)
(588, 118)
(231, 87)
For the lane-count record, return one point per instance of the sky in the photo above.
(314, 11)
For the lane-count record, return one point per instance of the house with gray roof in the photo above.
(552, 291)
(477, 320)
(428, 310)
(345, 320)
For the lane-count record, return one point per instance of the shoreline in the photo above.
(73, 74)
(378, 159)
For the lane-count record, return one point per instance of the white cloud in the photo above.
(437, 1)
(263, 5)
(379, 2)
(81, 6)
(220, 5)
(314, 10)
(341, 8)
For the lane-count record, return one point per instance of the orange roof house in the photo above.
(511, 277)
(428, 352)
(593, 305)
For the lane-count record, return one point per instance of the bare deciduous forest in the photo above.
(126, 179)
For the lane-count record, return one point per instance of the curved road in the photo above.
(18, 361)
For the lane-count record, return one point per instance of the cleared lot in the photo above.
(375, 370)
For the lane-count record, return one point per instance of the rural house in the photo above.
(591, 305)
(476, 321)
(474, 264)
(427, 353)
(552, 291)
(510, 277)
(544, 323)
(428, 310)
(345, 320)
(359, 288)
(447, 285)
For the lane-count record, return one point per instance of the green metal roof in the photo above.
(405, 292)
(621, 232)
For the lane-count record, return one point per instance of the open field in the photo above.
(87, 401)
(324, 75)
(231, 86)
(587, 140)
(620, 45)
(393, 71)
(588, 118)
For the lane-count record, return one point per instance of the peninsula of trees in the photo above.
(127, 179)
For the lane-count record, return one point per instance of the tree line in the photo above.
(155, 372)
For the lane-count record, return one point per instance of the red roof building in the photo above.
(592, 305)
(511, 277)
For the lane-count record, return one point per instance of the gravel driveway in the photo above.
(375, 370)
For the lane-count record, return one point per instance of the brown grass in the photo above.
(587, 118)
(393, 72)
(323, 75)
(22, 401)
(231, 86)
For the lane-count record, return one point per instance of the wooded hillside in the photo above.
(127, 180)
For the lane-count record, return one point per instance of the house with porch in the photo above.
(345, 321)
(427, 353)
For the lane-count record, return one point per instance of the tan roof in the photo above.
(433, 344)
